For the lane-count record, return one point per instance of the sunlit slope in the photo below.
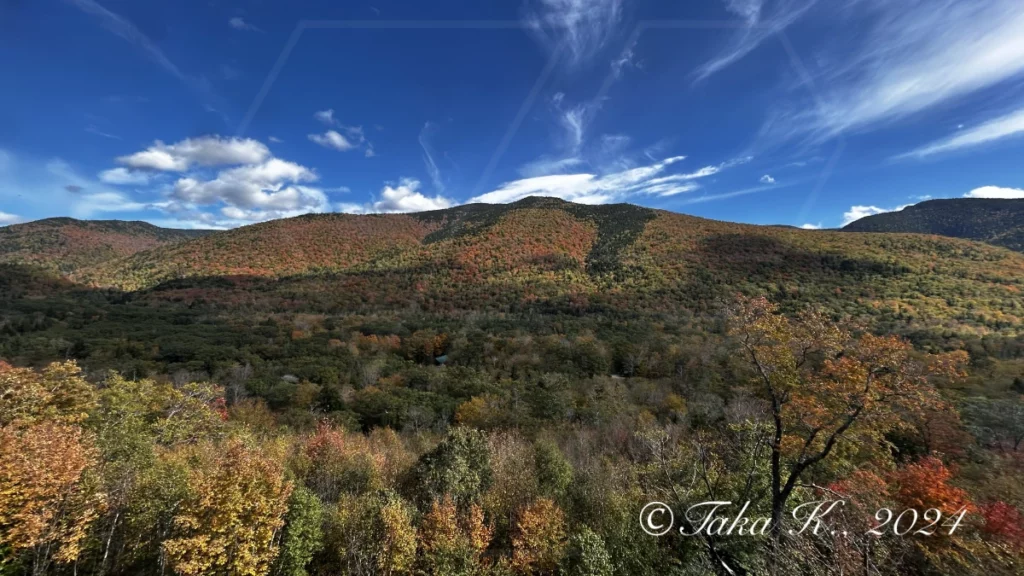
(64, 245)
(563, 256)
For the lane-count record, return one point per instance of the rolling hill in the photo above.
(552, 255)
(65, 244)
(998, 222)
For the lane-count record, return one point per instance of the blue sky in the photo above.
(220, 113)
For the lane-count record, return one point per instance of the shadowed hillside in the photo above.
(998, 222)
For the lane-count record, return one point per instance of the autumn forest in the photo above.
(500, 390)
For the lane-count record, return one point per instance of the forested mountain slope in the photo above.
(558, 255)
(995, 221)
(66, 244)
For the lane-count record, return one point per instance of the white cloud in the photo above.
(6, 219)
(1005, 126)
(124, 176)
(108, 201)
(749, 10)
(239, 23)
(767, 179)
(275, 140)
(406, 198)
(583, 27)
(258, 190)
(204, 151)
(547, 166)
(995, 192)
(915, 56)
(326, 116)
(600, 189)
(857, 212)
(332, 139)
(763, 24)
(811, 226)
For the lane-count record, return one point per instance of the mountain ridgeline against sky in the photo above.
(66, 244)
(549, 253)
(994, 221)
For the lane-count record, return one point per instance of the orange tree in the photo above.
(824, 386)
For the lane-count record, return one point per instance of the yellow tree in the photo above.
(229, 524)
(57, 392)
(46, 504)
(47, 497)
(539, 538)
(374, 534)
(825, 386)
(451, 547)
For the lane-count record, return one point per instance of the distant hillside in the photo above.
(998, 222)
(64, 244)
(561, 256)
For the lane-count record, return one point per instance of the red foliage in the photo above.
(925, 484)
(1004, 521)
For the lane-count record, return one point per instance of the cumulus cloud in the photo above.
(585, 188)
(256, 190)
(767, 179)
(203, 151)
(344, 138)
(124, 176)
(405, 196)
(332, 139)
(6, 219)
(811, 226)
(995, 192)
(1006, 126)
(857, 212)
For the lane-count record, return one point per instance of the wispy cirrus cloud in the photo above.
(912, 57)
(764, 19)
(1006, 126)
(587, 188)
(124, 28)
(425, 140)
(581, 27)
(239, 23)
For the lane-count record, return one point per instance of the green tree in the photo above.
(554, 473)
(459, 466)
(303, 532)
(586, 555)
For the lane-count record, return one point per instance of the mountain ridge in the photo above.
(994, 221)
(63, 244)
